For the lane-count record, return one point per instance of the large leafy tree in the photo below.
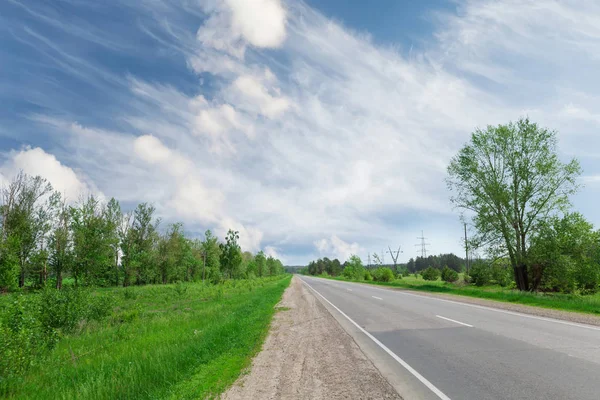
(510, 179)
(24, 217)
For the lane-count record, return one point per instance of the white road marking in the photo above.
(378, 298)
(400, 361)
(455, 321)
(349, 289)
(557, 321)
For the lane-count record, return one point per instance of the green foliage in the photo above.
(480, 273)
(354, 268)
(430, 274)
(159, 345)
(566, 255)
(502, 273)
(9, 264)
(382, 274)
(367, 276)
(449, 275)
(511, 178)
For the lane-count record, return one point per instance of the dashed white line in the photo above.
(349, 289)
(400, 361)
(455, 321)
(517, 314)
(378, 298)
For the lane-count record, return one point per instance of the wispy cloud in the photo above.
(296, 130)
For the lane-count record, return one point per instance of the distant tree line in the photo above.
(44, 239)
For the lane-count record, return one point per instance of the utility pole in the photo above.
(369, 261)
(423, 245)
(466, 250)
(395, 256)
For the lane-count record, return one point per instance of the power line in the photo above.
(423, 245)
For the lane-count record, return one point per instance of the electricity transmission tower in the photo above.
(423, 245)
(395, 255)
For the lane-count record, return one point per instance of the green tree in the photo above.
(138, 244)
(261, 264)
(24, 217)
(566, 255)
(114, 219)
(354, 268)
(511, 179)
(212, 253)
(60, 245)
(92, 243)
(231, 255)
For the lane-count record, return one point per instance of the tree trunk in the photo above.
(521, 278)
(59, 280)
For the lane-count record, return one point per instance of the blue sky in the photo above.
(318, 128)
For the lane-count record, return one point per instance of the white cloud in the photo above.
(334, 247)
(307, 132)
(235, 23)
(35, 161)
(271, 251)
(261, 22)
(254, 97)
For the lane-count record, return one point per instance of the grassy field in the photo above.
(589, 304)
(185, 341)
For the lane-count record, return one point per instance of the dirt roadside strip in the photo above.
(308, 355)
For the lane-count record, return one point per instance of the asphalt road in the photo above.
(438, 349)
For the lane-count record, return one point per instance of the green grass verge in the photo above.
(589, 304)
(173, 341)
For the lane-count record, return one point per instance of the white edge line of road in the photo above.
(378, 298)
(400, 361)
(518, 314)
(455, 321)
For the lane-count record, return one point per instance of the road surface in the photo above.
(431, 348)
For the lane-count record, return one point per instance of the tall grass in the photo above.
(178, 341)
(589, 304)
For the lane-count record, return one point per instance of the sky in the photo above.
(316, 128)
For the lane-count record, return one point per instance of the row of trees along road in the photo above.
(511, 184)
(43, 238)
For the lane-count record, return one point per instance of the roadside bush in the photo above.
(449, 275)
(481, 273)
(501, 274)
(430, 274)
(367, 276)
(586, 276)
(383, 274)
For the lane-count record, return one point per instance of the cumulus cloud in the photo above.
(233, 24)
(36, 161)
(334, 247)
(297, 131)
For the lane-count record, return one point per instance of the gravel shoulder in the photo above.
(307, 355)
(570, 316)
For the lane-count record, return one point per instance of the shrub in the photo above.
(449, 275)
(63, 309)
(481, 273)
(383, 274)
(367, 276)
(586, 277)
(501, 274)
(430, 274)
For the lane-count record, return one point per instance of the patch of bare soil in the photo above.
(308, 355)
